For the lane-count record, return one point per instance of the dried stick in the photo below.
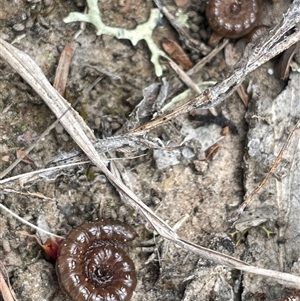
(4, 288)
(26, 222)
(270, 172)
(34, 175)
(28, 150)
(175, 87)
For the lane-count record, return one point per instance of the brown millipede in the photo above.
(256, 33)
(233, 18)
(91, 264)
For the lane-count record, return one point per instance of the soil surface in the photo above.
(193, 193)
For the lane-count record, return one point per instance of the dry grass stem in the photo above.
(5, 287)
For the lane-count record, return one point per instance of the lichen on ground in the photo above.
(141, 32)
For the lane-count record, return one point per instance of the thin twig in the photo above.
(270, 172)
(34, 194)
(189, 82)
(28, 150)
(7, 296)
(5, 288)
(175, 87)
(184, 77)
(22, 220)
(31, 175)
(207, 58)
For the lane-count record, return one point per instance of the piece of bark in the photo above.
(266, 139)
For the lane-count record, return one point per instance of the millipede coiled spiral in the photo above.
(91, 264)
(233, 18)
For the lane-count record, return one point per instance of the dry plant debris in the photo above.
(5, 288)
(84, 137)
(176, 53)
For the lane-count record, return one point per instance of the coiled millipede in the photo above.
(233, 18)
(91, 264)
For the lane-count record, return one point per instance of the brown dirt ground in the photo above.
(196, 202)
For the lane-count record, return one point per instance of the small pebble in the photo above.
(194, 27)
(187, 152)
(6, 246)
(18, 27)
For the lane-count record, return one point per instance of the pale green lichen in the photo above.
(141, 32)
(187, 94)
(182, 18)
